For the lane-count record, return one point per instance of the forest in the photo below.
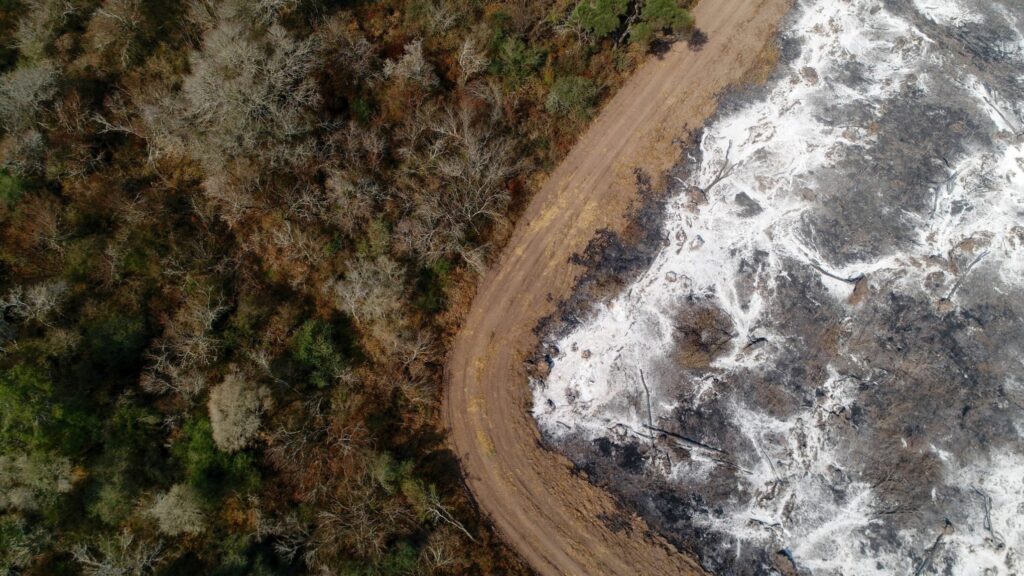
(236, 238)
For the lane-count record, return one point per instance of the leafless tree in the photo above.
(472, 165)
(23, 93)
(472, 60)
(371, 290)
(39, 26)
(123, 555)
(235, 407)
(185, 346)
(348, 48)
(177, 511)
(113, 26)
(412, 67)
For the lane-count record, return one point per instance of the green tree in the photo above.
(33, 416)
(658, 15)
(571, 96)
(10, 189)
(515, 61)
(599, 18)
(313, 346)
(208, 469)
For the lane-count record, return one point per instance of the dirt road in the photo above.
(552, 518)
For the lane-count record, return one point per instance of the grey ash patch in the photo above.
(840, 391)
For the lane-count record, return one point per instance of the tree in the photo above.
(29, 482)
(657, 15)
(412, 67)
(40, 26)
(121, 555)
(23, 93)
(599, 18)
(186, 346)
(235, 406)
(314, 347)
(249, 98)
(461, 169)
(371, 290)
(177, 511)
(113, 27)
(472, 61)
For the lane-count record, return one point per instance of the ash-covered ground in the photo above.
(822, 372)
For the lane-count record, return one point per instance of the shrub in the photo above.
(571, 96)
(10, 189)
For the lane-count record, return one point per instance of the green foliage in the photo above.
(431, 285)
(362, 109)
(35, 416)
(571, 96)
(210, 471)
(111, 502)
(514, 61)
(658, 15)
(376, 241)
(315, 348)
(10, 189)
(18, 544)
(114, 340)
(398, 560)
(132, 460)
(599, 18)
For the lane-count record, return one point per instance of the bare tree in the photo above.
(235, 407)
(250, 95)
(177, 511)
(123, 555)
(185, 346)
(371, 290)
(472, 60)
(348, 48)
(461, 173)
(36, 303)
(39, 26)
(113, 27)
(412, 67)
(23, 93)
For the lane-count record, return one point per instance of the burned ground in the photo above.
(840, 390)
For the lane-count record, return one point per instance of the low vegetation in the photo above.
(235, 239)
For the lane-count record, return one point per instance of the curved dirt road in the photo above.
(552, 518)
